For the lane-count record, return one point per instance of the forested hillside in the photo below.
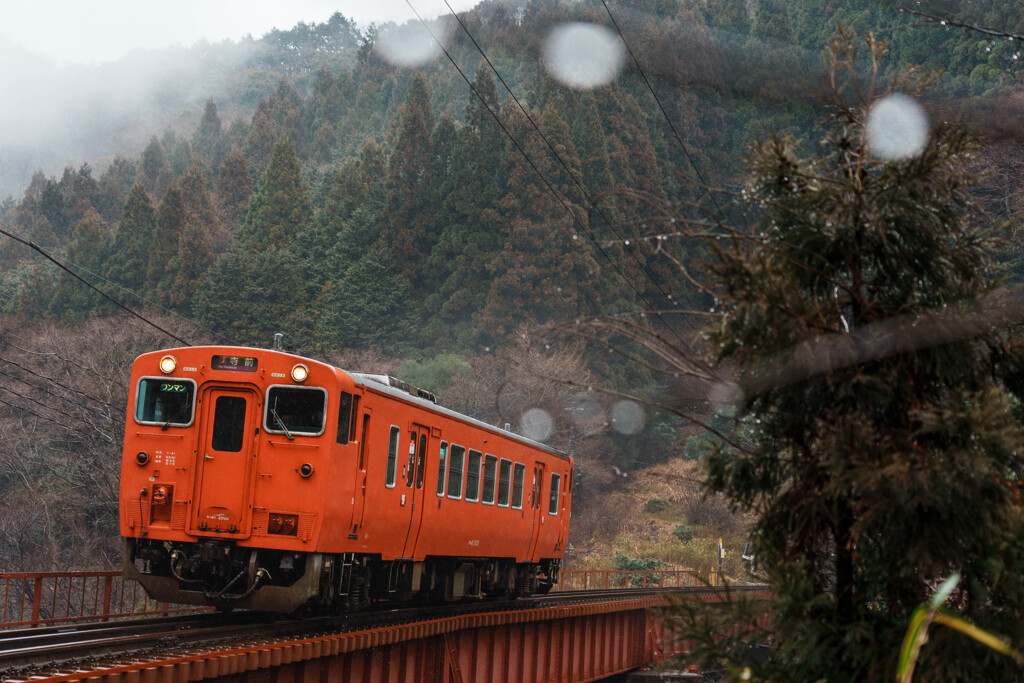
(426, 219)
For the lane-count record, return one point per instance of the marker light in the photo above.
(168, 364)
(300, 372)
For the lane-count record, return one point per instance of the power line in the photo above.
(530, 161)
(148, 302)
(565, 167)
(52, 381)
(49, 353)
(35, 247)
(661, 107)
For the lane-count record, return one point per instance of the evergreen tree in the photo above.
(170, 222)
(546, 270)
(129, 258)
(368, 307)
(205, 141)
(874, 474)
(234, 188)
(281, 206)
(87, 251)
(261, 138)
(410, 224)
(115, 184)
(155, 171)
(249, 296)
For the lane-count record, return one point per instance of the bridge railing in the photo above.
(47, 598)
(611, 579)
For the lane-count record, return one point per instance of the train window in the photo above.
(455, 461)
(440, 468)
(344, 416)
(556, 480)
(504, 479)
(389, 480)
(165, 402)
(490, 472)
(473, 476)
(519, 473)
(295, 410)
(228, 424)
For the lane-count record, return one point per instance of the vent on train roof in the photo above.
(402, 386)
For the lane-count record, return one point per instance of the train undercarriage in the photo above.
(225, 575)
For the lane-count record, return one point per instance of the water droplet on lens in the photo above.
(897, 128)
(411, 44)
(628, 417)
(582, 55)
(535, 424)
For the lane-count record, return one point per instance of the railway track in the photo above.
(30, 653)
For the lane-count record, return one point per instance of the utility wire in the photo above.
(35, 247)
(41, 417)
(661, 107)
(47, 406)
(50, 353)
(148, 302)
(565, 167)
(531, 163)
(52, 381)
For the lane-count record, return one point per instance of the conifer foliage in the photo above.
(876, 479)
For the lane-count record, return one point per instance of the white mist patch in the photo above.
(628, 417)
(411, 44)
(897, 128)
(582, 55)
(535, 424)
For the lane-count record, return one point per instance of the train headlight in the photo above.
(168, 364)
(300, 372)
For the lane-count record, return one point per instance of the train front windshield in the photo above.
(165, 401)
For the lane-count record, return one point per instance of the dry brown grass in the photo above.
(613, 517)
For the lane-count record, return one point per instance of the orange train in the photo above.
(259, 479)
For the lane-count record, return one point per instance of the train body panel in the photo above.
(249, 471)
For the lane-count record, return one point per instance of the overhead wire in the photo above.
(661, 107)
(558, 197)
(52, 381)
(6, 230)
(572, 175)
(50, 353)
(149, 302)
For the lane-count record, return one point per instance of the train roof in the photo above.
(380, 383)
(386, 385)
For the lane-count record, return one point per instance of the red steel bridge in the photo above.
(100, 627)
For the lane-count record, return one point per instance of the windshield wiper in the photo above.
(273, 411)
(174, 417)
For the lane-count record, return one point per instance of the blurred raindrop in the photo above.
(628, 417)
(535, 424)
(726, 397)
(583, 55)
(583, 409)
(897, 128)
(410, 44)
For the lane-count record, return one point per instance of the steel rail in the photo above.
(28, 654)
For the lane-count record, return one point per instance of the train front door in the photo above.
(220, 502)
(419, 440)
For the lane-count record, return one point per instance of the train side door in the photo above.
(537, 506)
(418, 442)
(224, 462)
(359, 502)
